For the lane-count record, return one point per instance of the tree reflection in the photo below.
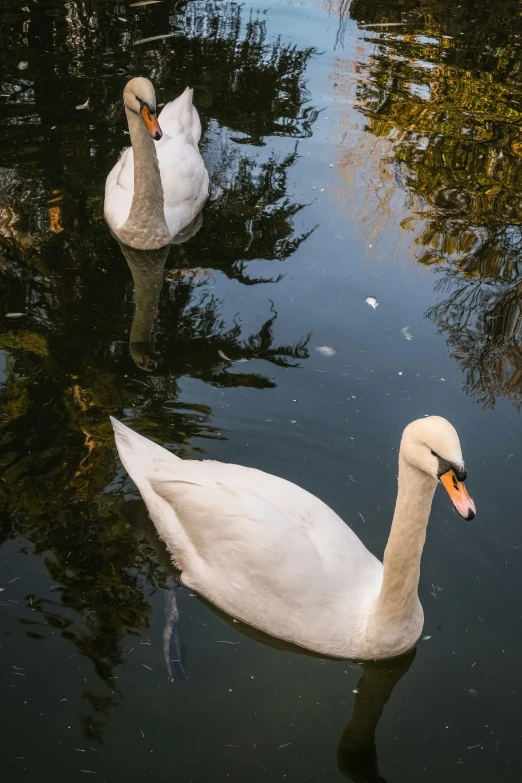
(66, 358)
(444, 91)
(194, 339)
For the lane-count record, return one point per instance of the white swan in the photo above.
(271, 554)
(160, 183)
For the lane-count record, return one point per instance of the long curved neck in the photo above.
(398, 611)
(145, 227)
(403, 552)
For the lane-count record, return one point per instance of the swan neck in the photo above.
(145, 227)
(402, 557)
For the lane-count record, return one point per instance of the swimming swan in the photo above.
(160, 183)
(271, 554)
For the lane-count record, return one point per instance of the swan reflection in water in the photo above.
(357, 751)
(203, 342)
(147, 267)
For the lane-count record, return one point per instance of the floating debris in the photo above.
(284, 746)
(23, 65)
(153, 38)
(326, 350)
(83, 105)
(426, 638)
(372, 301)
(144, 2)
(355, 690)
(406, 332)
(232, 361)
(14, 315)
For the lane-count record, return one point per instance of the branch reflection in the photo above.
(441, 93)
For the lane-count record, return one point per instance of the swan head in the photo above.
(432, 445)
(139, 97)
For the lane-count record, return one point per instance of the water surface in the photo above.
(371, 149)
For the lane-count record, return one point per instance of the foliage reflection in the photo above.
(443, 88)
(67, 357)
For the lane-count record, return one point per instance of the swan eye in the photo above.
(445, 466)
(145, 105)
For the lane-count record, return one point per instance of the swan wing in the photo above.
(267, 551)
(261, 548)
(119, 190)
(183, 173)
(184, 179)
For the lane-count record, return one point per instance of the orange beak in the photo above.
(151, 123)
(458, 494)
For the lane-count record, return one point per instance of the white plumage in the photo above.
(172, 183)
(271, 554)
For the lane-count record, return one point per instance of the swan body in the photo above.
(276, 557)
(160, 183)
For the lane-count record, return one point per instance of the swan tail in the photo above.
(187, 111)
(181, 116)
(138, 454)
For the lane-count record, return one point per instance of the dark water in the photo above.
(371, 149)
